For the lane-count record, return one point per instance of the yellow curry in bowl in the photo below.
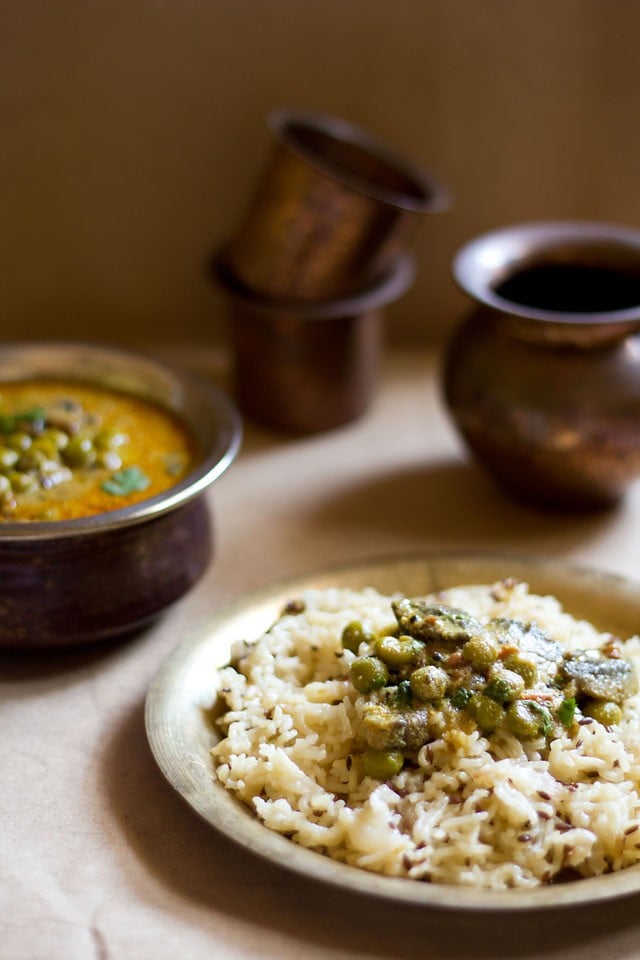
(69, 450)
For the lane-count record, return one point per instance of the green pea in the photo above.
(398, 651)
(400, 696)
(31, 459)
(47, 513)
(174, 463)
(354, 634)
(487, 713)
(8, 459)
(481, 652)
(5, 487)
(526, 668)
(522, 720)
(382, 764)
(460, 697)
(368, 673)
(604, 711)
(505, 686)
(18, 441)
(58, 438)
(22, 482)
(108, 438)
(80, 452)
(526, 719)
(46, 445)
(429, 683)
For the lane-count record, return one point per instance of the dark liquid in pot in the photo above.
(572, 288)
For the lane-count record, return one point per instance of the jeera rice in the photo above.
(496, 776)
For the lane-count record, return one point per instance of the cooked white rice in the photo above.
(479, 810)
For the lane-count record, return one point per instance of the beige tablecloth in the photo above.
(99, 859)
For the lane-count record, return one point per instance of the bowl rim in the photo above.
(493, 255)
(206, 471)
(430, 196)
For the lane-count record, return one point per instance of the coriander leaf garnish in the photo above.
(9, 421)
(567, 711)
(128, 480)
(460, 697)
(546, 721)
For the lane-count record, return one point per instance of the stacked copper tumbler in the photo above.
(322, 250)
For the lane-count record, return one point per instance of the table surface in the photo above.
(100, 859)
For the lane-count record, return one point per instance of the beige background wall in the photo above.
(133, 132)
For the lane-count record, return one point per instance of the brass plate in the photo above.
(181, 735)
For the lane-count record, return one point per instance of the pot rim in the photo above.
(491, 257)
(429, 195)
(218, 456)
(393, 283)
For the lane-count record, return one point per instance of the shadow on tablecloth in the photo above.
(455, 505)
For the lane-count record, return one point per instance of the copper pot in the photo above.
(304, 368)
(542, 377)
(333, 210)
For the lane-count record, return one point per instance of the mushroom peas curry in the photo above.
(442, 669)
(69, 449)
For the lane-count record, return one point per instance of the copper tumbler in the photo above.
(333, 210)
(304, 368)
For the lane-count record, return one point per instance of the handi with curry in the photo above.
(69, 450)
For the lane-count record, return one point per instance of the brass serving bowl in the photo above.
(181, 731)
(68, 582)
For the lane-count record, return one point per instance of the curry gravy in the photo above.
(69, 450)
